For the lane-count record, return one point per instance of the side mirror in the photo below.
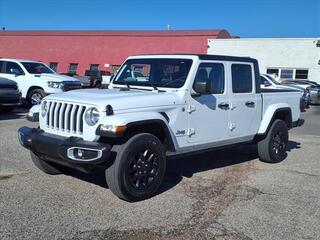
(267, 84)
(200, 87)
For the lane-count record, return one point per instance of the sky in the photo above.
(244, 18)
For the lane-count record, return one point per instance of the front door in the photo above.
(14, 72)
(208, 113)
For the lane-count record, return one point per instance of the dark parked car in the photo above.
(10, 96)
(96, 77)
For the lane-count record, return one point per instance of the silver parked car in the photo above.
(312, 87)
(267, 81)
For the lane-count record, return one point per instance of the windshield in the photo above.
(36, 68)
(272, 79)
(170, 73)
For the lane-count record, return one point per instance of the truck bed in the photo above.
(284, 97)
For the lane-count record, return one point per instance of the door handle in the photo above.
(250, 104)
(224, 106)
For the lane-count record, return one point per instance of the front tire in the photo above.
(272, 148)
(44, 166)
(35, 96)
(138, 169)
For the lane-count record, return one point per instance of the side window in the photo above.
(241, 78)
(1, 67)
(213, 74)
(13, 68)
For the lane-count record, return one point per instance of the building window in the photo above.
(286, 74)
(73, 68)
(273, 71)
(241, 78)
(301, 74)
(53, 66)
(94, 67)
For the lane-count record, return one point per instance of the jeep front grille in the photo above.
(65, 117)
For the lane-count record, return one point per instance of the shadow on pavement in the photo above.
(186, 166)
(15, 114)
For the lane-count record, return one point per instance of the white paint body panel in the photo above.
(210, 126)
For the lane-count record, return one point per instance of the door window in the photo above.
(213, 74)
(241, 78)
(13, 68)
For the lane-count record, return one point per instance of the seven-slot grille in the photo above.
(66, 117)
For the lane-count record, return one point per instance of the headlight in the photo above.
(55, 84)
(44, 108)
(92, 116)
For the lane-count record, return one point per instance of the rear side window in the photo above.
(241, 78)
(13, 68)
(213, 74)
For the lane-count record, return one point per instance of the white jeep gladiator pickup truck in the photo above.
(35, 79)
(156, 106)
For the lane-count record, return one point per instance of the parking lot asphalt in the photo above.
(222, 194)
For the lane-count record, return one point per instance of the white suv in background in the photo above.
(35, 79)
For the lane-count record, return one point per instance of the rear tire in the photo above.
(35, 96)
(138, 169)
(272, 148)
(44, 166)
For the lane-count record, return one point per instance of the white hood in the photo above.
(56, 77)
(119, 100)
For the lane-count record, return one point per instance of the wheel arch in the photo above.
(33, 88)
(154, 123)
(156, 127)
(282, 112)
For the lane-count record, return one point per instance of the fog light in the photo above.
(79, 153)
(83, 154)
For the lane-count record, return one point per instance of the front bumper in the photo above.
(71, 152)
(10, 98)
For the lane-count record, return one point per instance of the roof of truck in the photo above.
(205, 57)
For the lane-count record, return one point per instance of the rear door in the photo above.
(245, 103)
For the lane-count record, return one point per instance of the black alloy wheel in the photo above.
(143, 168)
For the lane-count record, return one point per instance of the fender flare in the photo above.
(132, 120)
(270, 115)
